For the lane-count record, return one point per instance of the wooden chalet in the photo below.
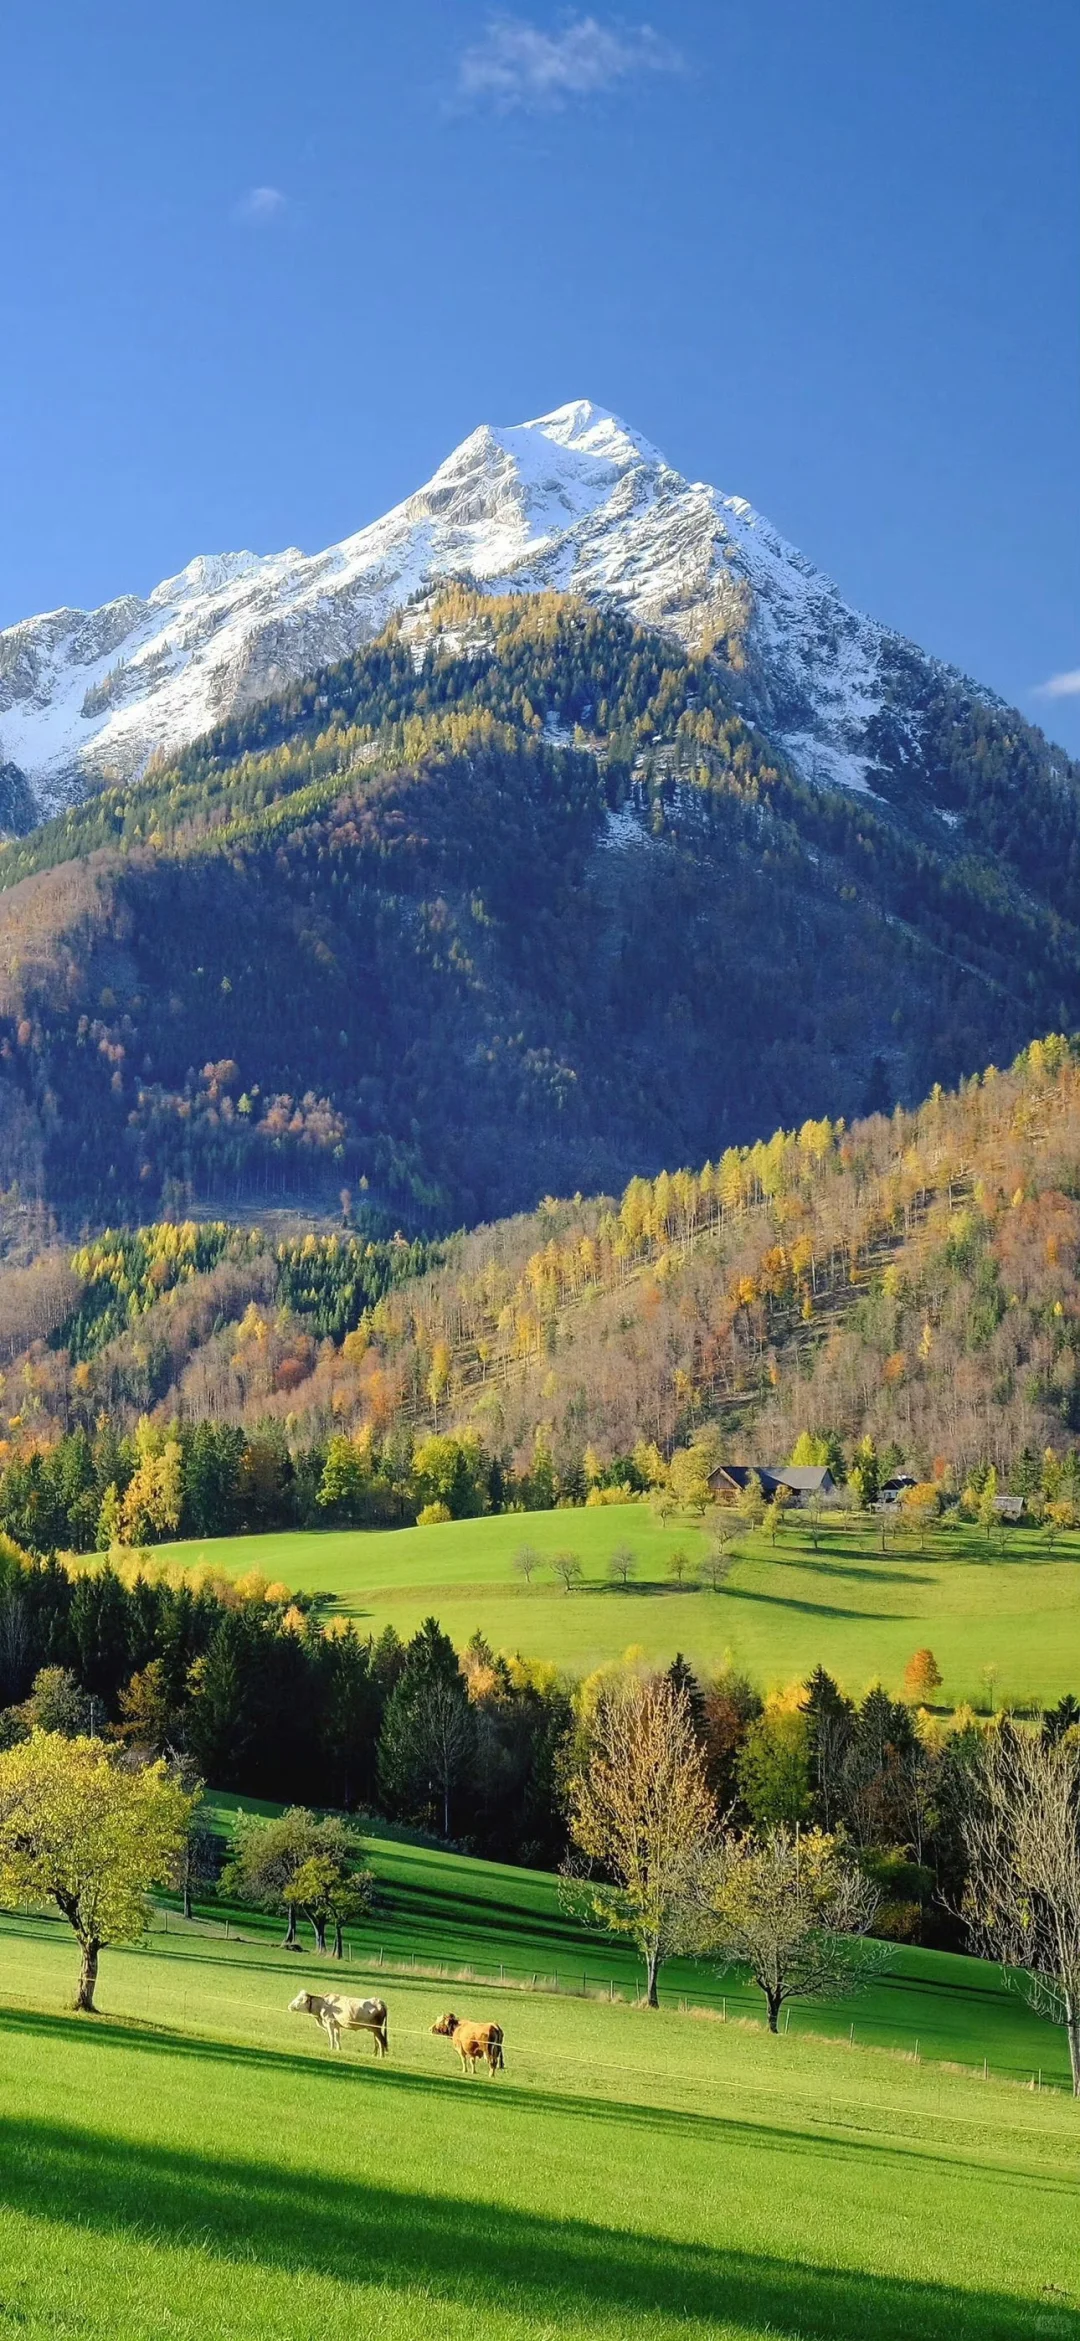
(730, 1481)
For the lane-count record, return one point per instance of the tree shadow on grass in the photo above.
(483, 2257)
(811, 1609)
(885, 1570)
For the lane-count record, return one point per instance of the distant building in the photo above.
(894, 1490)
(730, 1480)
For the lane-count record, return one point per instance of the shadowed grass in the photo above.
(197, 2162)
(577, 2272)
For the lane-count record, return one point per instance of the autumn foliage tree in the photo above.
(922, 1677)
(641, 1813)
(81, 1828)
(791, 1907)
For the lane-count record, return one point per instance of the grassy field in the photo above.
(195, 2162)
(445, 1910)
(857, 1610)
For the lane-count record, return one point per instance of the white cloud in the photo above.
(259, 206)
(1060, 686)
(518, 64)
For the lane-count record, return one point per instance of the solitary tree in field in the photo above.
(777, 1512)
(717, 1564)
(526, 1562)
(267, 1858)
(922, 1677)
(1022, 1832)
(641, 1808)
(568, 1570)
(678, 1565)
(622, 1565)
(329, 1887)
(814, 1509)
(80, 1828)
(919, 1506)
(792, 1909)
(752, 1502)
(351, 1897)
(688, 1479)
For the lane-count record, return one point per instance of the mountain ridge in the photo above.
(513, 901)
(573, 501)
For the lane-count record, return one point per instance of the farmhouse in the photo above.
(803, 1480)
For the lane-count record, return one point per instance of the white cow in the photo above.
(337, 2015)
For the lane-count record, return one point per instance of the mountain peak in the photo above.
(589, 429)
(573, 500)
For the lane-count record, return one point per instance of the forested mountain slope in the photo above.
(912, 1278)
(515, 901)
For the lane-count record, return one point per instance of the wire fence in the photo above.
(736, 2004)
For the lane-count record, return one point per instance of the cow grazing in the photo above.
(474, 2041)
(337, 2015)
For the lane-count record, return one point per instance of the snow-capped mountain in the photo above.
(573, 500)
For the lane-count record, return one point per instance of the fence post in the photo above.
(916, 2048)
(986, 2073)
(851, 2037)
(723, 2018)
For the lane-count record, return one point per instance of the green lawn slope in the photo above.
(195, 2162)
(1012, 1607)
(455, 1914)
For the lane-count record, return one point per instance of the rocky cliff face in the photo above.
(574, 500)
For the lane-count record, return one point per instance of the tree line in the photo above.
(692, 1818)
(244, 1682)
(658, 1861)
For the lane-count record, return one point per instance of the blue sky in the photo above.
(265, 264)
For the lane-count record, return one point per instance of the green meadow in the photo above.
(196, 2162)
(1008, 1605)
(456, 1914)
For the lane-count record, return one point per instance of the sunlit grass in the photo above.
(197, 2163)
(1007, 1605)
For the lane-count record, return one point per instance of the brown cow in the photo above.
(337, 2015)
(473, 2041)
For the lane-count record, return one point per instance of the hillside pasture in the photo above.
(197, 2161)
(1005, 1604)
(455, 1914)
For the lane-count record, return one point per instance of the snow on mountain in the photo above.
(572, 500)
